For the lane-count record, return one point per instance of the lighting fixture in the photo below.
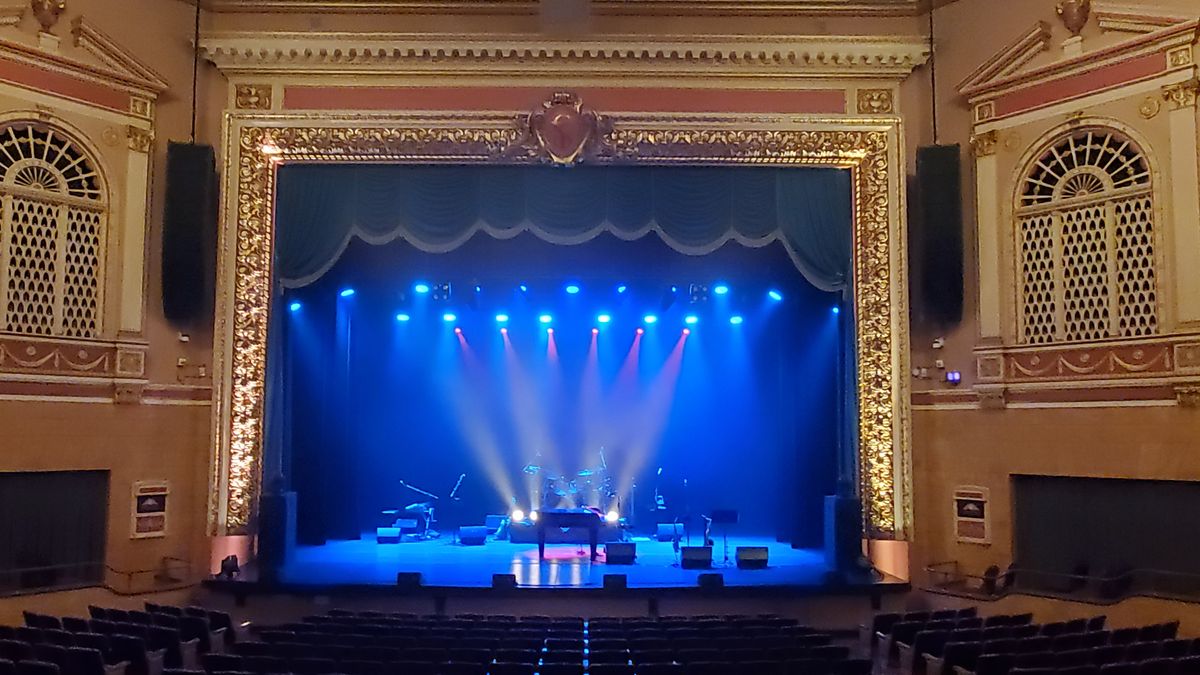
(736, 320)
(402, 317)
(346, 292)
(449, 316)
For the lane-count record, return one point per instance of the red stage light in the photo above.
(458, 331)
(549, 331)
(641, 330)
(687, 331)
(504, 331)
(595, 331)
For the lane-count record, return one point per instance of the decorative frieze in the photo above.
(876, 102)
(252, 97)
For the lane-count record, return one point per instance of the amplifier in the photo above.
(387, 535)
(620, 553)
(752, 557)
(669, 531)
(696, 557)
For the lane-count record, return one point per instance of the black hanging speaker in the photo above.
(189, 231)
(940, 236)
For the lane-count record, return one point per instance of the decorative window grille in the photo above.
(1085, 242)
(52, 234)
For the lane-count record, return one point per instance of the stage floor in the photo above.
(443, 563)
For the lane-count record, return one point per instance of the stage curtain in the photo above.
(320, 207)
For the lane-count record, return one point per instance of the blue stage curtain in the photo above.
(437, 208)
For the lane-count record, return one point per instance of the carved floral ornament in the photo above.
(563, 131)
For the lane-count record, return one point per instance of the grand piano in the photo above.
(592, 519)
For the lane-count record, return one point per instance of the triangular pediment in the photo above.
(111, 55)
(1011, 58)
(1125, 33)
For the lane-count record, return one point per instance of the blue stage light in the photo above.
(674, 289)
(691, 319)
(721, 289)
(545, 318)
(650, 318)
(421, 287)
(346, 292)
(837, 310)
(501, 318)
(572, 289)
(402, 317)
(295, 307)
(478, 288)
(604, 318)
(736, 320)
(774, 295)
(449, 316)
(622, 288)
(524, 288)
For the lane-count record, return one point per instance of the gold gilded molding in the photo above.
(252, 97)
(985, 143)
(256, 144)
(140, 140)
(876, 102)
(1182, 95)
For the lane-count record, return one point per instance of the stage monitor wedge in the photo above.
(696, 557)
(620, 553)
(473, 535)
(189, 248)
(751, 557)
(940, 232)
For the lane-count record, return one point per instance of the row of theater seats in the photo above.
(957, 642)
(388, 644)
(113, 642)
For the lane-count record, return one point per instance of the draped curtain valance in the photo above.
(437, 208)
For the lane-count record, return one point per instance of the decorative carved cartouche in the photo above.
(48, 11)
(1074, 14)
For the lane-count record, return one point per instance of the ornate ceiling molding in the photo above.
(619, 56)
(788, 8)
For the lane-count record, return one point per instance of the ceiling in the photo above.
(598, 7)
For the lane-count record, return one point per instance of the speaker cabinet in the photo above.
(189, 250)
(616, 582)
(504, 581)
(669, 531)
(475, 535)
(940, 237)
(493, 522)
(696, 557)
(408, 580)
(751, 557)
(620, 553)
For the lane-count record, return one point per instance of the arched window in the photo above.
(51, 236)
(1085, 241)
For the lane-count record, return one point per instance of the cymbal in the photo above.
(531, 469)
(585, 473)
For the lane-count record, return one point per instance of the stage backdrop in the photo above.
(359, 401)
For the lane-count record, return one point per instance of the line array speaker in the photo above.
(189, 232)
(940, 238)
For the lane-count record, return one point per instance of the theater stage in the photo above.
(444, 564)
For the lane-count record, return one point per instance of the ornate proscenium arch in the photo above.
(255, 144)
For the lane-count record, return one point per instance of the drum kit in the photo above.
(586, 487)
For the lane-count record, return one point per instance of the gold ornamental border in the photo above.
(256, 144)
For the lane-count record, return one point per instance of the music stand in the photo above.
(724, 517)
